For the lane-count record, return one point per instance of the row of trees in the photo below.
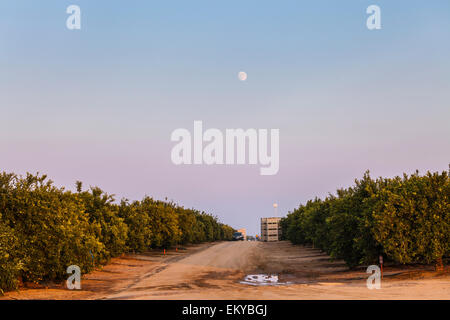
(405, 219)
(45, 229)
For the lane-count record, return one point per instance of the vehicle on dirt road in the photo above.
(238, 236)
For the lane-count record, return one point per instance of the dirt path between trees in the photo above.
(217, 270)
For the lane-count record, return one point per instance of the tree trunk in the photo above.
(19, 281)
(439, 264)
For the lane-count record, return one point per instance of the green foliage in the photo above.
(164, 224)
(187, 219)
(51, 225)
(10, 265)
(140, 233)
(227, 232)
(412, 217)
(405, 219)
(44, 229)
(110, 227)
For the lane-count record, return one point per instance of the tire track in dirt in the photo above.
(207, 269)
(165, 264)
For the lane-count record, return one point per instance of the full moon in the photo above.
(242, 76)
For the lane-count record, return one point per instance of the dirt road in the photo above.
(208, 270)
(216, 271)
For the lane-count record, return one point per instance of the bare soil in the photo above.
(215, 271)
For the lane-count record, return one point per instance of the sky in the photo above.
(99, 104)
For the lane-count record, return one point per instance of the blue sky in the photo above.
(99, 104)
